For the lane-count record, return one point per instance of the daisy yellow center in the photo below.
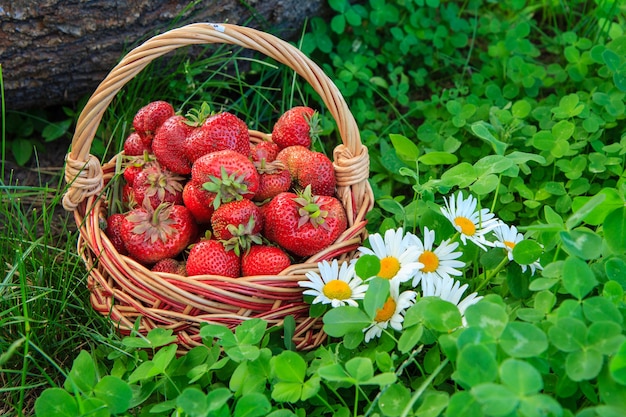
(430, 261)
(509, 244)
(389, 267)
(337, 290)
(467, 226)
(386, 312)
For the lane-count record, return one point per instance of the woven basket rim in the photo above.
(123, 288)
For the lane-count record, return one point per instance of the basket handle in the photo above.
(83, 171)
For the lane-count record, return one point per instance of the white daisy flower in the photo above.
(398, 257)
(391, 313)
(450, 290)
(333, 285)
(507, 237)
(438, 263)
(470, 223)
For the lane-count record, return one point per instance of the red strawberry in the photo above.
(134, 145)
(228, 174)
(210, 257)
(128, 196)
(158, 185)
(199, 202)
(218, 132)
(319, 173)
(135, 164)
(265, 150)
(274, 179)
(293, 157)
(114, 232)
(167, 144)
(264, 260)
(148, 119)
(171, 266)
(238, 224)
(297, 126)
(154, 234)
(302, 223)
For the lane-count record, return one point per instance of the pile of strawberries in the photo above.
(200, 198)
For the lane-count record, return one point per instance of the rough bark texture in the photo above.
(56, 51)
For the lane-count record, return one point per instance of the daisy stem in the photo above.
(492, 274)
(418, 393)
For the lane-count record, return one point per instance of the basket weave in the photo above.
(125, 290)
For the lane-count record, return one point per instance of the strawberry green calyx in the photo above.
(309, 209)
(154, 224)
(160, 181)
(196, 117)
(227, 188)
(243, 237)
(315, 125)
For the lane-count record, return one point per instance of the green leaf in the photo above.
(578, 278)
(56, 402)
(405, 148)
(441, 315)
(481, 130)
(614, 227)
(523, 340)
(485, 184)
(287, 392)
(563, 130)
(568, 334)
(193, 402)
(582, 243)
(526, 252)
(163, 357)
(376, 296)
(335, 373)
(410, 337)
(521, 377)
(617, 365)
(22, 150)
(463, 403)
(361, 369)
(54, 131)
(367, 266)
(82, 376)
(615, 269)
(345, 319)
(289, 366)
(393, 400)
(496, 400)
(601, 309)
(438, 158)
(217, 398)
(493, 164)
(583, 364)
(433, 404)
(605, 336)
(461, 175)
(116, 393)
(252, 405)
(543, 140)
(488, 316)
(593, 210)
(476, 364)
(251, 331)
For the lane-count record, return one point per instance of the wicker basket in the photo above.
(125, 290)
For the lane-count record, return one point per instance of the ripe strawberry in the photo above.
(293, 157)
(148, 119)
(167, 144)
(302, 223)
(319, 173)
(154, 234)
(210, 257)
(264, 260)
(274, 179)
(265, 150)
(297, 126)
(171, 266)
(238, 224)
(158, 185)
(133, 165)
(114, 232)
(228, 174)
(218, 132)
(199, 202)
(135, 146)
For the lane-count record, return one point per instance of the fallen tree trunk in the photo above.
(54, 52)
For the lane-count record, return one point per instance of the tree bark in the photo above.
(54, 52)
